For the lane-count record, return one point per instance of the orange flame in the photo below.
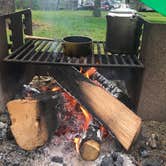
(56, 88)
(90, 72)
(77, 143)
(88, 118)
(81, 69)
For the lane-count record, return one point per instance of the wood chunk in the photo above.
(110, 111)
(120, 119)
(90, 150)
(28, 127)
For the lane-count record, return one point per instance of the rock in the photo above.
(112, 160)
(4, 118)
(143, 152)
(152, 142)
(118, 160)
(151, 162)
(107, 161)
(3, 131)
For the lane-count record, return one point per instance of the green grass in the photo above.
(153, 17)
(57, 24)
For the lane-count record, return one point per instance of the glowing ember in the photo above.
(88, 118)
(77, 143)
(56, 88)
(103, 131)
(90, 72)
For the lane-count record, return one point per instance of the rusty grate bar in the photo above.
(51, 52)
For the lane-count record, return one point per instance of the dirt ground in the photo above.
(148, 150)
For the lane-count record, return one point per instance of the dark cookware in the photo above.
(77, 46)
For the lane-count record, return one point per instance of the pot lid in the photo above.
(123, 11)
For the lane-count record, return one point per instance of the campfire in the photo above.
(79, 109)
(49, 110)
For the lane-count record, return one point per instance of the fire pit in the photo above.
(78, 130)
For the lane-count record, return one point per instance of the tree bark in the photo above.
(7, 6)
(31, 4)
(58, 3)
(97, 11)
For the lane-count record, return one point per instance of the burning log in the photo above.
(90, 150)
(111, 112)
(33, 121)
(88, 144)
(110, 86)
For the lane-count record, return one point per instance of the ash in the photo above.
(60, 152)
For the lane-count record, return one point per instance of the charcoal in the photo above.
(114, 89)
(112, 160)
(3, 131)
(107, 161)
(57, 159)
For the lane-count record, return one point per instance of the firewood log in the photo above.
(90, 150)
(32, 122)
(90, 143)
(118, 118)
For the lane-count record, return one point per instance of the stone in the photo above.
(107, 161)
(3, 131)
(152, 142)
(118, 160)
(143, 152)
(4, 118)
(151, 162)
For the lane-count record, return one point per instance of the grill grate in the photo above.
(51, 52)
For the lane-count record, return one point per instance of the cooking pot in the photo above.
(77, 46)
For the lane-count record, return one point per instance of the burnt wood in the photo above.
(3, 39)
(115, 115)
(90, 143)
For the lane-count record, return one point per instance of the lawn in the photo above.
(57, 24)
(153, 17)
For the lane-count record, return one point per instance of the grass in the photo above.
(57, 24)
(154, 17)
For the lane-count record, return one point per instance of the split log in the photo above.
(90, 150)
(115, 115)
(90, 143)
(111, 87)
(33, 122)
